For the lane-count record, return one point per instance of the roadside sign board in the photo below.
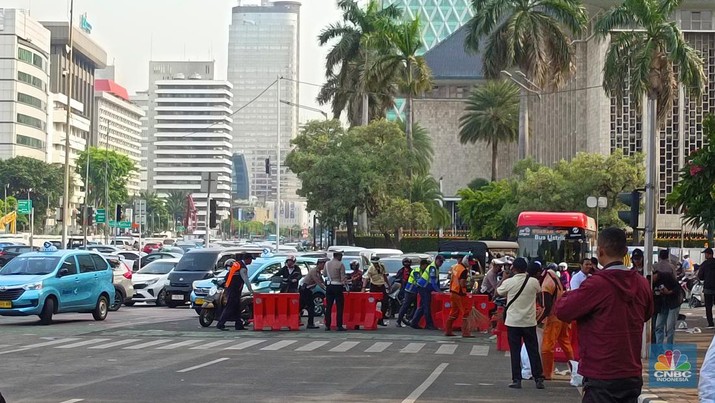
(100, 217)
(24, 206)
(125, 224)
(112, 223)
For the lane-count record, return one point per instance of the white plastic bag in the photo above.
(576, 379)
(525, 364)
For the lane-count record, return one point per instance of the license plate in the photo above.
(177, 297)
(5, 304)
(199, 301)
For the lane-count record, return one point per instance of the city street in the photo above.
(149, 354)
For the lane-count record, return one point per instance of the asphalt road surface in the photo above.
(149, 354)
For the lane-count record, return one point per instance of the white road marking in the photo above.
(379, 347)
(36, 345)
(426, 384)
(507, 354)
(447, 349)
(245, 344)
(73, 401)
(211, 345)
(279, 345)
(147, 344)
(480, 350)
(181, 344)
(413, 348)
(313, 345)
(206, 364)
(82, 343)
(344, 346)
(114, 344)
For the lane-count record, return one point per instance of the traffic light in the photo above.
(118, 213)
(268, 166)
(90, 216)
(212, 214)
(630, 217)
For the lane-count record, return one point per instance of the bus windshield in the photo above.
(553, 249)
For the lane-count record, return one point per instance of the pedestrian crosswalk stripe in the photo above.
(180, 344)
(114, 344)
(51, 343)
(447, 349)
(313, 345)
(211, 345)
(147, 344)
(245, 345)
(480, 350)
(379, 347)
(413, 348)
(82, 343)
(344, 346)
(279, 345)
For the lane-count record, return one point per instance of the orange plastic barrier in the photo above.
(481, 302)
(500, 331)
(276, 311)
(559, 355)
(360, 311)
(436, 307)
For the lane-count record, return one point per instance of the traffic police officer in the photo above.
(290, 274)
(411, 292)
(428, 282)
(236, 278)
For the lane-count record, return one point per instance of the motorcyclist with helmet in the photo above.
(402, 276)
(356, 276)
(236, 278)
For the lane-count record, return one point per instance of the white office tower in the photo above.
(191, 136)
(264, 44)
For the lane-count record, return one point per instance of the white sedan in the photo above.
(150, 281)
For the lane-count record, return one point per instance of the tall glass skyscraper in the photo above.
(440, 18)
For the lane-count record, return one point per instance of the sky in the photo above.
(134, 31)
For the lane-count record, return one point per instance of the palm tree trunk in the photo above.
(495, 147)
(349, 219)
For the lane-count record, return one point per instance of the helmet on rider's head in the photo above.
(229, 263)
(406, 261)
(354, 264)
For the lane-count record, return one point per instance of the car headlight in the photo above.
(150, 282)
(213, 291)
(33, 286)
(194, 285)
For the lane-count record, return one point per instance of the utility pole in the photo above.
(66, 194)
(278, 163)
(208, 209)
(106, 189)
(85, 219)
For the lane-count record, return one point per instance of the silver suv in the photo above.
(123, 286)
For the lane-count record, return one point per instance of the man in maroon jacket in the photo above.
(610, 308)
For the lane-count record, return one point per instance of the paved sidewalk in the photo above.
(695, 318)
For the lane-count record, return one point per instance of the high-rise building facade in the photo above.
(263, 45)
(24, 85)
(117, 126)
(191, 136)
(87, 56)
(440, 18)
(141, 99)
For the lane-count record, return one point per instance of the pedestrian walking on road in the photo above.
(377, 278)
(411, 290)
(458, 298)
(427, 283)
(554, 329)
(290, 275)
(313, 279)
(706, 274)
(236, 278)
(335, 292)
(610, 310)
(520, 291)
(667, 298)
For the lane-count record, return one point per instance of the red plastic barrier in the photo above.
(360, 311)
(436, 307)
(559, 355)
(276, 311)
(500, 331)
(481, 302)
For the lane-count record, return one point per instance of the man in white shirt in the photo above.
(706, 389)
(521, 291)
(578, 278)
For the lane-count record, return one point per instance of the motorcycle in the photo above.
(215, 302)
(695, 299)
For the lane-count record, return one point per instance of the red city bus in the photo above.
(556, 237)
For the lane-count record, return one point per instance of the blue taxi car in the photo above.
(51, 282)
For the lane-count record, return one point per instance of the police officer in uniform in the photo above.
(334, 294)
(236, 278)
(312, 279)
(411, 292)
(427, 283)
(290, 274)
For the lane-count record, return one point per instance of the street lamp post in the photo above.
(278, 163)
(32, 217)
(598, 203)
(66, 194)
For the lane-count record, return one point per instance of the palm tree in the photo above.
(425, 189)
(176, 204)
(641, 60)
(347, 79)
(400, 63)
(492, 116)
(529, 34)
(423, 152)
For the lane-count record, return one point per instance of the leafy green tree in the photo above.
(422, 152)
(44, 183)
(645, 47)
(478, 183)
(695, 193)
(175, 203)
(529, 34)
(106, 167)
(491, 116)
(397, 213)
(348, 79)
(402, 63)
(491, 211)
(156, 212)
(425, 190)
